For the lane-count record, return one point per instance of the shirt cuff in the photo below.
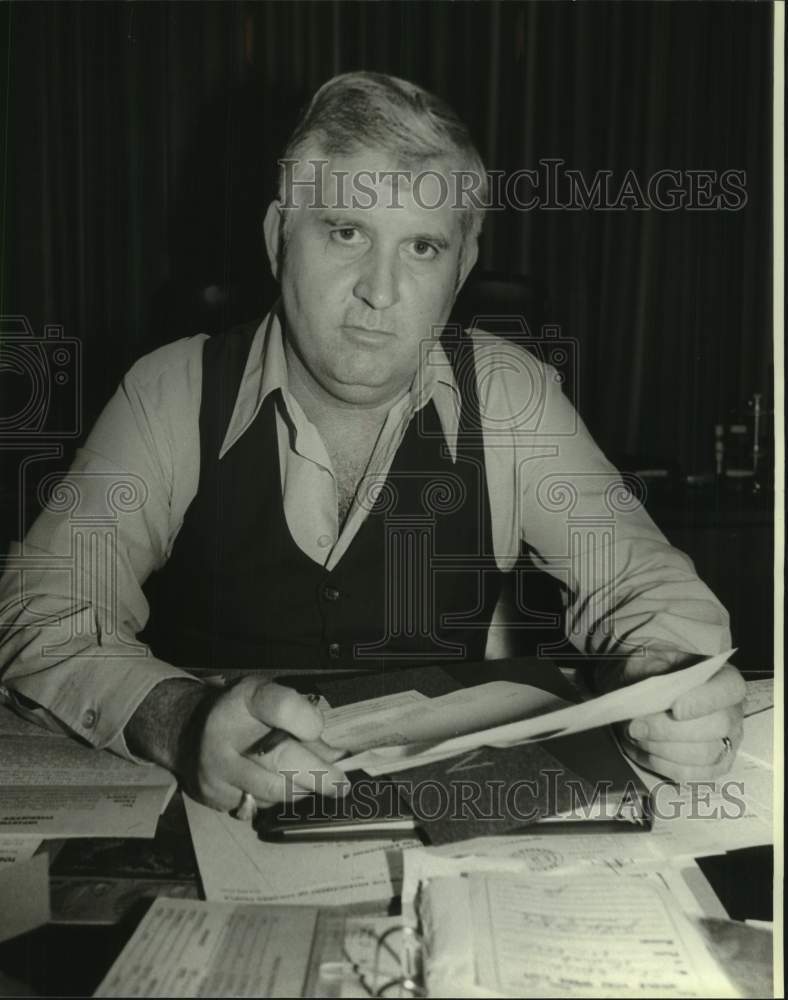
(100, 697)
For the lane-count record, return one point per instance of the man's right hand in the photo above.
(202, 735)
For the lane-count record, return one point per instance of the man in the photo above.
(343, 486)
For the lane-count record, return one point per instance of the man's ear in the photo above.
(273, 234)
(468, 257)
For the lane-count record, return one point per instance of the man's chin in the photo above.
(367, 388)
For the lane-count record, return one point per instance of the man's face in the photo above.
(363, 286)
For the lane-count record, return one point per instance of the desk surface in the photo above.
(71, 959)
(111, 883)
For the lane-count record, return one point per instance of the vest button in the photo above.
(333, 650)
(324, 541)
(331, 593)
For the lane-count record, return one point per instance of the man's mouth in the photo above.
(366, 332)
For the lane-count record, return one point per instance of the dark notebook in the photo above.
(580, 781)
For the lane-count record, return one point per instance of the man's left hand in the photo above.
(690, 741)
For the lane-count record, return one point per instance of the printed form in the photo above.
(185, 948)
(236, 866)
(576, 937)
(51, 786)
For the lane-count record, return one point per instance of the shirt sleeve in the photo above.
(71, 599)
(626, 587)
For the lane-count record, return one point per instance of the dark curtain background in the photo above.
(140, 149)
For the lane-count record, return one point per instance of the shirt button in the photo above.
(89, 719)
(331, 593)
(324, 541)
(333, 650)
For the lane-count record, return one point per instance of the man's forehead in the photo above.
(379, 163)
(369, 180)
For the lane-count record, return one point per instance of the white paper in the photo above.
(591, 937)
(654, 694)
(52, 786)
(560, 855)
(567, 937)
(32, 760)
(436, 719)
(710, 817)
(541, 854)
(758, 740)
(529, 854)
(187, 948)
(81, 811)
(675, 878)
(24, 896)
(14, 849)
(236, 866)
(356, 726)
(760, 695)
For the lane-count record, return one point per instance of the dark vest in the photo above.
(417, 584)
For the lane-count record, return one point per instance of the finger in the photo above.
(219, 795)
(282, 708)
(662, 726)
(324, 751)
(266, 786)
(725, 689)
(293, 764)
(676, 771)
(310, 771)
(696, 754)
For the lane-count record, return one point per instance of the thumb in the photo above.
(281, 707)
(724, 689)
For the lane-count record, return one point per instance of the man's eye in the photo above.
(346, 234)
(423, 249)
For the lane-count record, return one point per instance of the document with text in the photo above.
(237, 866)
(52, 786)
(187, 948)
(583, 936)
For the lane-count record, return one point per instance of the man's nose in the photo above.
(378, 282)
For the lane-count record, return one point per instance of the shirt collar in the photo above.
(266, 372)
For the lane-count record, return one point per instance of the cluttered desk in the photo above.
(507, 850)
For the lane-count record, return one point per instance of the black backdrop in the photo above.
(141, 140)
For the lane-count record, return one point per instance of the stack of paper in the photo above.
(184, 948)
(24, 886)
(51, 786)
(492, 934)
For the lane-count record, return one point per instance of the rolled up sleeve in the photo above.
(71, 598)
(626, 588)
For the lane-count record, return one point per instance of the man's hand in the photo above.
(687, 742)
(202, 734)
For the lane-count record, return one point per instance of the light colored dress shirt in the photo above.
(71, 600)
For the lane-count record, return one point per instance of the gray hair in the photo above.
(373, 111)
